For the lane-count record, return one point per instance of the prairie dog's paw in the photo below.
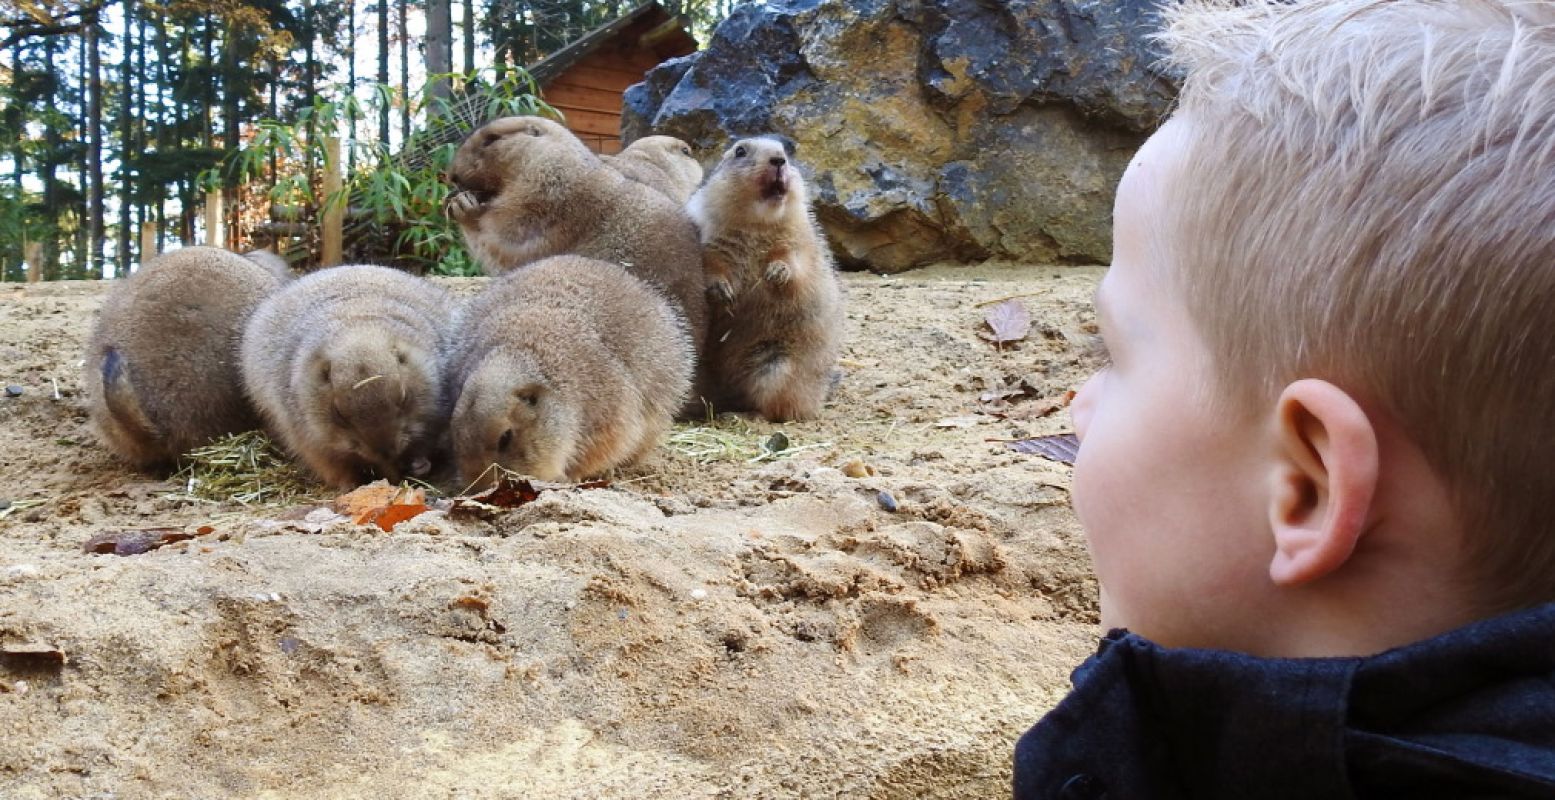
(779, 273)
(462, 205)
(720, 292)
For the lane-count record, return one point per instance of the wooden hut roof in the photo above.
(670, 31)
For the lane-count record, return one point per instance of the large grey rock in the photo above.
(933, 129)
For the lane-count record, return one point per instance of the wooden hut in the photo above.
(585, 79)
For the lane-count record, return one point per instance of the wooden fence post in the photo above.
(213, 225)
(333, 218)
(34, 253)
(148, 241)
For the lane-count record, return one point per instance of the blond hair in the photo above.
(1369, 198)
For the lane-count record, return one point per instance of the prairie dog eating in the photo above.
(565, 368)
(527, 189)
(346, 365)
(161, 372)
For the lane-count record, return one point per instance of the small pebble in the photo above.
(887, 502)
(20, 687)
(13, 391)
(698, 594)
(857, 469)
(776, 443)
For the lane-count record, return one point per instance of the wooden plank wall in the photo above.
(589, 94)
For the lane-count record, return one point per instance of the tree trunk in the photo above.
(94, 147)
(18, 149)
(309, 64)
(469, 37)
(350, 54)
(231, 139)
(142, 122)
(126, 141)
(404, 75)
(383, 69)
(309, 88)
(439, 49)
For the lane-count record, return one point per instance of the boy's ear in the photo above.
(1325, 477)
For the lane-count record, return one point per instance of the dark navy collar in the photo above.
(1473, 707)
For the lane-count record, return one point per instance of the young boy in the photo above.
(1318, 475)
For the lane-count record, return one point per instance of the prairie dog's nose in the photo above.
(777, 161)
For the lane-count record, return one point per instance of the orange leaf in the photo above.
(380, 504)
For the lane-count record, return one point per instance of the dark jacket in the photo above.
(1470, 713)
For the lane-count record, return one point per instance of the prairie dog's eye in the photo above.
(505, 441)
(739, 152)
(534, 130)
(685, 151)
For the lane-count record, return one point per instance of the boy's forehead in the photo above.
(1142, 211)
(1155, 163)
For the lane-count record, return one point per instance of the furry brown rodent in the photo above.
(346, 365)
(161, 372)
(776, 314)
(527, 188)
(564, 369)
(663, 162)
(274, 262)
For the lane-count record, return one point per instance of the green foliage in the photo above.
(395, 199)
(20, 223)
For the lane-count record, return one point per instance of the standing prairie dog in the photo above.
(527, 188)
(161, 371)
(776, 316)
(345, 364)
(662, 162)
(565, 368)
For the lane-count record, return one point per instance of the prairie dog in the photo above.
(161, 371)
(345, 364)
(566, 368)
(274, 262)
(527, 188)
(663, 162)
(776, 318)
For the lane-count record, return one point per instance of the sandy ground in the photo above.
(706, 627)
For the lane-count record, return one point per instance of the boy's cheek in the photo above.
(1083, 406)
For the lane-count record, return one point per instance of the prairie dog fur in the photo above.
(527, 188)
(273, 262)
(161, 371)
(776, 317)
(663, 162)
(345, 364)
(566, 368)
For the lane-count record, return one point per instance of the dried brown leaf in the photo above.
(510, 492)
(381, 504)
(133, 542)
(1007, 322)
(1063, 447)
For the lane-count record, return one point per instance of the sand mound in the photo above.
(707, 626)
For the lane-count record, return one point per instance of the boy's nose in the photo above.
(1083, 405)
